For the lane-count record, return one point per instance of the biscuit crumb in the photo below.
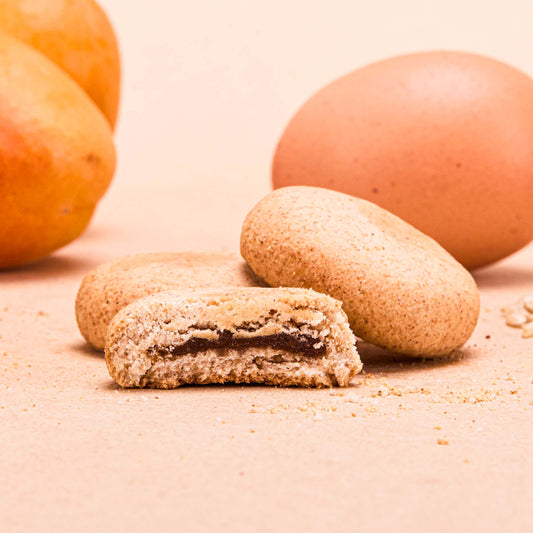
(515, 320)
(527, 330)
(443, 442)
(520, 315)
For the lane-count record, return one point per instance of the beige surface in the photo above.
(208, 90)
(77, 450)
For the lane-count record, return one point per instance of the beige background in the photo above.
(208, 88)
(210, 85)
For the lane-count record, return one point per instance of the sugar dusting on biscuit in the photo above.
(400, 289)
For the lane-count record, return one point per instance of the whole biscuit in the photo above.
(114, 285)
(400, 289)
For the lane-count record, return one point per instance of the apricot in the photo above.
(56, 155)
(77, 36)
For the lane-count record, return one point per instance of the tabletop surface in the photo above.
(434, 444)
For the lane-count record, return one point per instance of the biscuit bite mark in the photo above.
(272, 336)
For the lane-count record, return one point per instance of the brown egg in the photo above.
(442, 139)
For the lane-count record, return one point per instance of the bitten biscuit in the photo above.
(114, 285)
(400, 289)
(254, 335)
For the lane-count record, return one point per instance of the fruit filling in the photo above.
(295, 343)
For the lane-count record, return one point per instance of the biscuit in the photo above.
(400, 289)
(286, 337)
(112, 286)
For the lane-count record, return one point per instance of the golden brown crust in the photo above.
(114, 285)
(399, 288)
(142, 337)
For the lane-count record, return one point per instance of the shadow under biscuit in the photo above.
(188, 388)
(85, 349)
(378, 360)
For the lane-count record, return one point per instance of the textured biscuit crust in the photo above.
(141, 336)
(114, 285)
(400, 289)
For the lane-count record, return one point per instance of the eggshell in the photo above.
(399, 288)
(442, 139)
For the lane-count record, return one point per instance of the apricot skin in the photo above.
(78, 37)
(57, 156)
